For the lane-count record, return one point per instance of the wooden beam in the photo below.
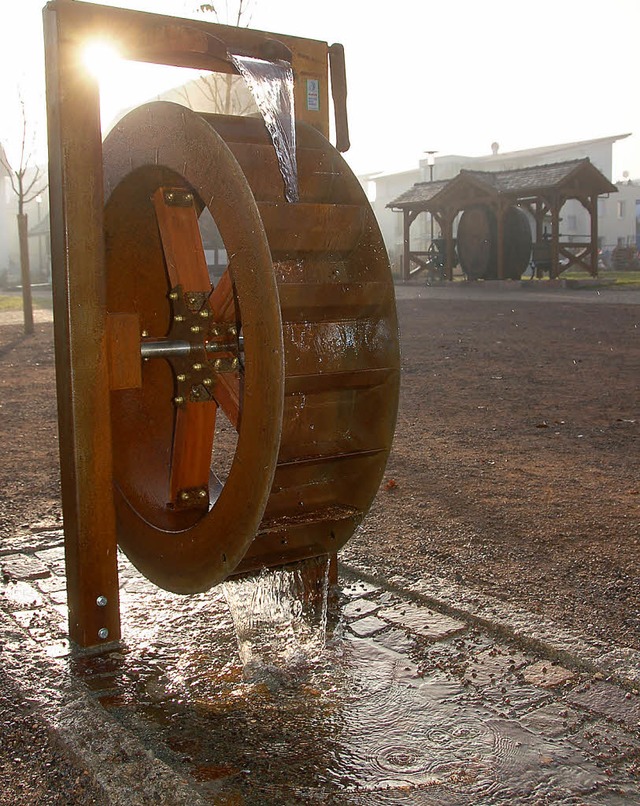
(80, 331)
(406, 259)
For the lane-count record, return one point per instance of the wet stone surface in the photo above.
(257, 696)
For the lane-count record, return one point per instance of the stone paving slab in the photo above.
(620, 664)
(480, 702)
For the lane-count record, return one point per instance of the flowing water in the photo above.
(271, 84)
(263, 696)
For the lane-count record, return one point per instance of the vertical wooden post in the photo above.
(76, 203)
(406, 255)
(448, 234)
(593, 212)
(554, 269)
(500, 214)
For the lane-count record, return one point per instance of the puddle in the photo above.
(261, 697)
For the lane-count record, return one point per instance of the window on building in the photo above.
(621, 209)
(602, 208)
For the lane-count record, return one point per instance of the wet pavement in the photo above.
(381, 692)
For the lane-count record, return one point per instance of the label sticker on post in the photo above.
(313, 95)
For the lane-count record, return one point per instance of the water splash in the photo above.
(271, 84)
(280, 621)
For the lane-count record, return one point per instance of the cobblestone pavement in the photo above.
(419, 696)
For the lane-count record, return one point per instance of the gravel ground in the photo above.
(514, 472)
(33, 770)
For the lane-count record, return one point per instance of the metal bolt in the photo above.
(202, 493)
(169, 196)
(179, 400)
(173, 295)
(215, 331)
(101, 601)
(145, 333)
(233, 330)
(188, 197)
(178, 318)
(103, 633)
(198, 367)
(181, 377)
(207, 381)
(235, 363)
(184, 496)
(204, 313)
(217, 363)
(195, 328)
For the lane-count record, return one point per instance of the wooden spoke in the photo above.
(181, 240)
(222, 301)
(227, 395)
(191, 454)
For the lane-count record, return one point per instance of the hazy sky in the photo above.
(453, 75)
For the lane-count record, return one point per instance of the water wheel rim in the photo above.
(191, 551)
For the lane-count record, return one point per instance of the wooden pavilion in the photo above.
(542, 190)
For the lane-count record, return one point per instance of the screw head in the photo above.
(178, 318)
(235, 363)
(198, 367)
(184, 496)
(103, 633)
(173, 295)
(181, 377)
(217, 363)
(195, 328)
(179, 400)
(207, 381)
(101, 601)
(205, 313)
(233, 330)
(144, 334)
(202, 493)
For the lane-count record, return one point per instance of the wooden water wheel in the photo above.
(295, 347)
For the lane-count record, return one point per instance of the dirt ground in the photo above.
(515, 467)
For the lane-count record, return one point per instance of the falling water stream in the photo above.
(271, 84)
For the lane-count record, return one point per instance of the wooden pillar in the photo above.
(446, 228)
(554, 269)
(406, 255)
(500, 215)
(593, 212)
(540, 209)
(76, 203)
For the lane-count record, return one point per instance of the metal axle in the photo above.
(177, 348)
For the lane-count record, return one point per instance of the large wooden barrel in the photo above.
(517, 243)
(478, 243)
(477, 247)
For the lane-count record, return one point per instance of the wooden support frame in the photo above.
(78, 265)
(541, 190)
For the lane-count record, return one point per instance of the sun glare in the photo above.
(100, 58)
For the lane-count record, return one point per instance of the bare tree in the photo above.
(221, 92)
(27, 183)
